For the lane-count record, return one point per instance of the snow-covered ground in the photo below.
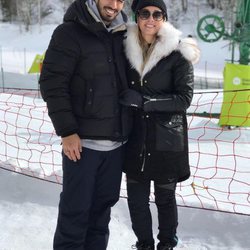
(28, 211)
(28, 207)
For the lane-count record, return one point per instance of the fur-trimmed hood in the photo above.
(169, 40)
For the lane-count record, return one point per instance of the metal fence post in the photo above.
(1, 64)
(24, 55)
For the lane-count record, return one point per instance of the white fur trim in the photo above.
(168, 41)
(189, 49)
(132, 47)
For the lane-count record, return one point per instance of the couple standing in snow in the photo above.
(117, 95)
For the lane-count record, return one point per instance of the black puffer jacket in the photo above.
(82, 75)
(158, 146)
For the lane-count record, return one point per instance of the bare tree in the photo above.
(229, 10)
(5, 9)
(31, 11)
(24, 12)
(184, 5)
(220, 4)
(8, 9)
(174, 11)
(211, 3)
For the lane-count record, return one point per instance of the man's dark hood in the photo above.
(78, 12)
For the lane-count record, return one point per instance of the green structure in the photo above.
(37, 64)
(243, 24)
(211, 28)
(236, 97)
(235, 110)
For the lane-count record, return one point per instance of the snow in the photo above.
(28, 212)
(28, 207)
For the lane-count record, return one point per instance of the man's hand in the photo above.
(72, 147)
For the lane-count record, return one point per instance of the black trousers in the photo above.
(139, 208)
(91, 186)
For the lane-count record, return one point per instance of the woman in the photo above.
(161, 89)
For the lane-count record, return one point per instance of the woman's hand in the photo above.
(131, 98)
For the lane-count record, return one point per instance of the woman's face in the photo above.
(149, 20)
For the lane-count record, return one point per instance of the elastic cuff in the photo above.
(68, 133)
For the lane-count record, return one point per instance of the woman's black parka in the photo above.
(158, 146)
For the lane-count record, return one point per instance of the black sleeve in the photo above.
(181, 98)
(58, 68)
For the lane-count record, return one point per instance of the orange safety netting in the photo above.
(219, 156)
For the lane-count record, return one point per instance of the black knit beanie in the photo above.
(140, 4)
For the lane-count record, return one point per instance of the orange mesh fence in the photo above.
(219, 156)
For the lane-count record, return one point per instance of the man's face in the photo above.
(109, 9)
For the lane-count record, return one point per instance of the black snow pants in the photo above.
(91, 186)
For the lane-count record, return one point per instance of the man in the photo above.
(82, 76)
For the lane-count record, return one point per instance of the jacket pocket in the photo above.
(82, 97)
(169, 134)
(101, 100)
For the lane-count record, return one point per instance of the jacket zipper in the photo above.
(156, 100)
(141, 81)
(143, 153)
(143, 150)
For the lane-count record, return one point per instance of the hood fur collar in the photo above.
(168, 41)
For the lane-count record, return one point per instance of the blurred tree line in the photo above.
(29, 12)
